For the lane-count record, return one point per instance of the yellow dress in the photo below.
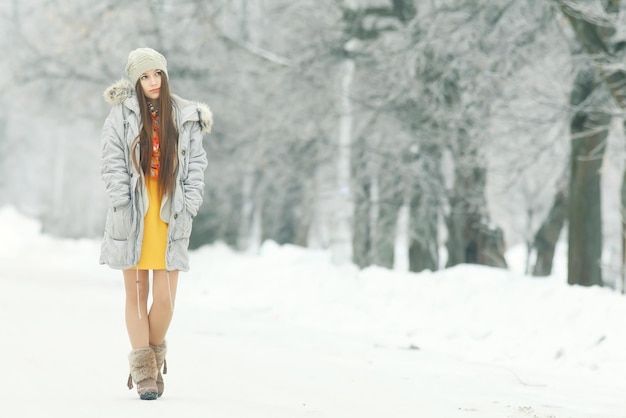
(154, 229)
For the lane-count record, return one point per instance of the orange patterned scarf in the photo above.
(156, 151)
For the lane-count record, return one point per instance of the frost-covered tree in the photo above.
(595, 28)
(379, 138)
(465, 56)
(331, 117)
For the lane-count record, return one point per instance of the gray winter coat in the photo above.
(128, 202)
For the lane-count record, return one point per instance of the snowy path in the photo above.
(284, 333)
(64, 355)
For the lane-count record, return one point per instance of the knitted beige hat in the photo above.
(141, 60)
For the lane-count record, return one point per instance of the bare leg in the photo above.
(138, 328)
(162, 309)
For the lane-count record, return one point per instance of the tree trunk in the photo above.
(284, 217)
(595, 37)
(304, 213)
(548, 234)
(589, 130)
(4, 152)
(491, 245)
(249, 198)
(362, 200)
(361, 238)
(424, 238)
(389, 204)
(341, 233)
(424, 209)
(468, 205)
(373, 234)
(623, 210)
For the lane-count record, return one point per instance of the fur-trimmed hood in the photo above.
(122, 92)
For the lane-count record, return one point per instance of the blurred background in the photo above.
(409, 134)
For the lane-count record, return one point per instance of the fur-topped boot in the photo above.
(143, 371)
(159, 352)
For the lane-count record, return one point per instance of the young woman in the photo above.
(153, 168)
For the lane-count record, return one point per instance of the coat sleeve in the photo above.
(194, 182)
(113, 165)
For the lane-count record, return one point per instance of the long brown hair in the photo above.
(168, 137)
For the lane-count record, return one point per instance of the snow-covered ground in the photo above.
(284, 333)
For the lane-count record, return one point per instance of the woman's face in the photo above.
(151, 83)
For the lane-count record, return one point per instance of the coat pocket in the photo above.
(116, 253)
(119, 222)
(181, 224)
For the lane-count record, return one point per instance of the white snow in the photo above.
(284, 333)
